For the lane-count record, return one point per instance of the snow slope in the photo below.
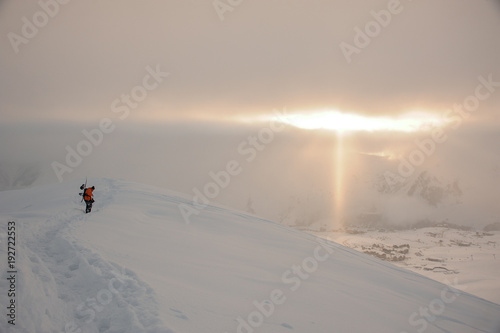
(134, 265)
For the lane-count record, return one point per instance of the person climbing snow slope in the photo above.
(88, 197)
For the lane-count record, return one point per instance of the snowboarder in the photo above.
(88, 197)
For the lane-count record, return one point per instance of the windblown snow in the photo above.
(134, 265)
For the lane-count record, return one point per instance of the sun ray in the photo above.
(342, 124)
(341, 121)
(339, 194)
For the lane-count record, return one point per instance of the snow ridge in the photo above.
(226, 271)
(65, 287)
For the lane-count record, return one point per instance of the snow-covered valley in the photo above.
(440, 253)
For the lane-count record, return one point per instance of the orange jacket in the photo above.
(88, 194)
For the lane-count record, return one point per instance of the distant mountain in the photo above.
(373, 200)
(424, 186)
(16, 176)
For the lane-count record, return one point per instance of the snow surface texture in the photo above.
(134, 265)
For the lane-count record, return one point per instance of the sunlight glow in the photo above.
(345, 122)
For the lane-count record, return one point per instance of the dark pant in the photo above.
(89, 205)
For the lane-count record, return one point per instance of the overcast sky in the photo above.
(65, 67)
(263, 55)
